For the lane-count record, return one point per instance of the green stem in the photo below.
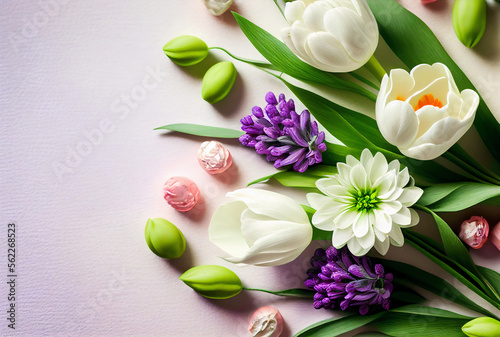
(297, 292)
(279, 7)
(374, 66)
(364, 80)
(479, 176)
(248, 61)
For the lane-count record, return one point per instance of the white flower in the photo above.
(423, 113)
(331, 35)
(260, 227)
(366, 203)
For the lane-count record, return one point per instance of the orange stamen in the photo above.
(428, 100)
(400, 98)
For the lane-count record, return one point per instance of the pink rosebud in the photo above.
(214, 157)
(181, 193)
(428, 1)
(266, 322)
(495, 235)
(474, 231)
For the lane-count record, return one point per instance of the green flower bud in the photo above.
(482, 327)
(212, 281)
(186, 50)
(469, 21)
(218, 81)
(164, 239)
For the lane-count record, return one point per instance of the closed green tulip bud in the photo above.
(469, 21)
(218, 81)
(164, 239)
(186, 50)
(214, 282)
(482, 327)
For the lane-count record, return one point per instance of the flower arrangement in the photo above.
(364, 193)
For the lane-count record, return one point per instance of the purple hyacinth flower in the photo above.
(285, 137)
(343, 280)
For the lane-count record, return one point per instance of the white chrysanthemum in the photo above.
(366, 203)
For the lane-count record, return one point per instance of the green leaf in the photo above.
(286, 61)
(414, 325)
(306, 179)
(492, 277)
(422, 310)
(472, 279)
(406, 295)
(412, 276)
(352, 128)
(336, 326)
(202, 130)
(435, 193)
(336, 153)
(295, 292)
(465, 196)
(426, 240)
(414, 43)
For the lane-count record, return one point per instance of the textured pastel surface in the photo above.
(93, 78)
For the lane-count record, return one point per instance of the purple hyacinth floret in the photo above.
(343, 280)
(285, 137)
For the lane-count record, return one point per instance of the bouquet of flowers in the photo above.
(365, 190)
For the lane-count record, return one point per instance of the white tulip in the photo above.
(331, 35)
(422, 112)
(260, 227)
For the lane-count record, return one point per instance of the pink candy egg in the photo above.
(214, 157)
(181, 193)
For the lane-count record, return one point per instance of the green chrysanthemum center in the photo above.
(365, 200)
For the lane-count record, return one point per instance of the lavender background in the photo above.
(82, 86)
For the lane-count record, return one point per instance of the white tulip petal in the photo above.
(382, 246)
(385, 86)
(294, 11)
(438, 89)
(341, 236)
(348, 27)
(298, 34)
(398, 123)
(401, 84)
(470, 103)
(253, 227)
(286, 36)
(271, 204)
(314, 13)
(327, 50)
(454, 106)
(225, 228)
(410, 196)
(383, 223)
(428, 116)
(424, 74)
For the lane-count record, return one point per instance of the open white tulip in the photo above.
(260, 227)
(331, 35)
(422, 112)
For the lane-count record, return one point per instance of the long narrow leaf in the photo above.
(286, 61)
(414, 325)
(414, 43)
(423, 310)
(203, 130)
(336, 326)
(437, 192)
(492, 277)
(413, 276)
(475, 193)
